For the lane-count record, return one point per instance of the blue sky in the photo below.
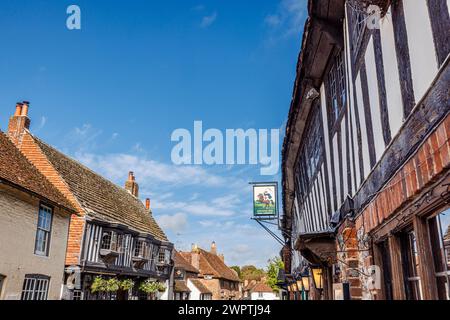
(112, 93)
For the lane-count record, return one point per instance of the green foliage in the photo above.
(110, 285)
(273, 266)
(126, 284)
(252, 273)
(151, 286)
(237, 269)
(98, 285)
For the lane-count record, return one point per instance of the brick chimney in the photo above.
(147, 204)
(195, 256)
(131, 185)
(19, 122)
(213, 248)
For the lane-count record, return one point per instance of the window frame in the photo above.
(411, 267)
(336, 90)
(113, 243)
(2, 282)
(358, 31)
(441, 259)
(47, 233)
(35, 280)
(304, 175)
(143, 246)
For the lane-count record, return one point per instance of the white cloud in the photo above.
(175, 223)
(199, 7)
(208, 20)
(42, 123)
(82, 138)
(288, 18)
(116, 167)
(272, 20)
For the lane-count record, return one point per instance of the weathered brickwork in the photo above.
(354, 252)
(426, 164)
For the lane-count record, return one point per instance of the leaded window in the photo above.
(310, 156)
(162, 256)
(141, 249)
(336, 88)
(109, 240)
(358, 17)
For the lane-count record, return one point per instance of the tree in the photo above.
(237, 269)
(252, 273)
(274, 265)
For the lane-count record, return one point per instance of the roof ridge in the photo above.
(83, 165)
(146, 219)
(35, 171)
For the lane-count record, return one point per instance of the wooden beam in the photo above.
(440, 24)
(403, 59)
(332, 30)
(378, 53)
(368, 115)
(426, 263)
(398, 286)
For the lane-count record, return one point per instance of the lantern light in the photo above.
(317, 273)
(299, 285)
(305, 281)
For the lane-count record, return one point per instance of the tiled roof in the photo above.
(261, 287)
(447, 234)
(182, 263)
(16, 169)
(211, 264)
(180, 286)
(250, 285)
(200, 286)
(101, 198)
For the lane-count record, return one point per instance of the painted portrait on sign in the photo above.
(264, 200)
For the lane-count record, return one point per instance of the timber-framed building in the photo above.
(366, 184)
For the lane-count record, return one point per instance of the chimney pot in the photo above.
(213, 248)
(18, 109)
(131, 186)
(25, 106)
(147, 203)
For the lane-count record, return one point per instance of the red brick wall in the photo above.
(432, 158)
(34, 154)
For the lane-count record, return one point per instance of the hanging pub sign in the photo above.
(265, 198)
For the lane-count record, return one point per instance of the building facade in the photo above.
(111, 235)
(366, 152)
(259, 290)
(34, 228)
(187, 285)
(214, 275)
